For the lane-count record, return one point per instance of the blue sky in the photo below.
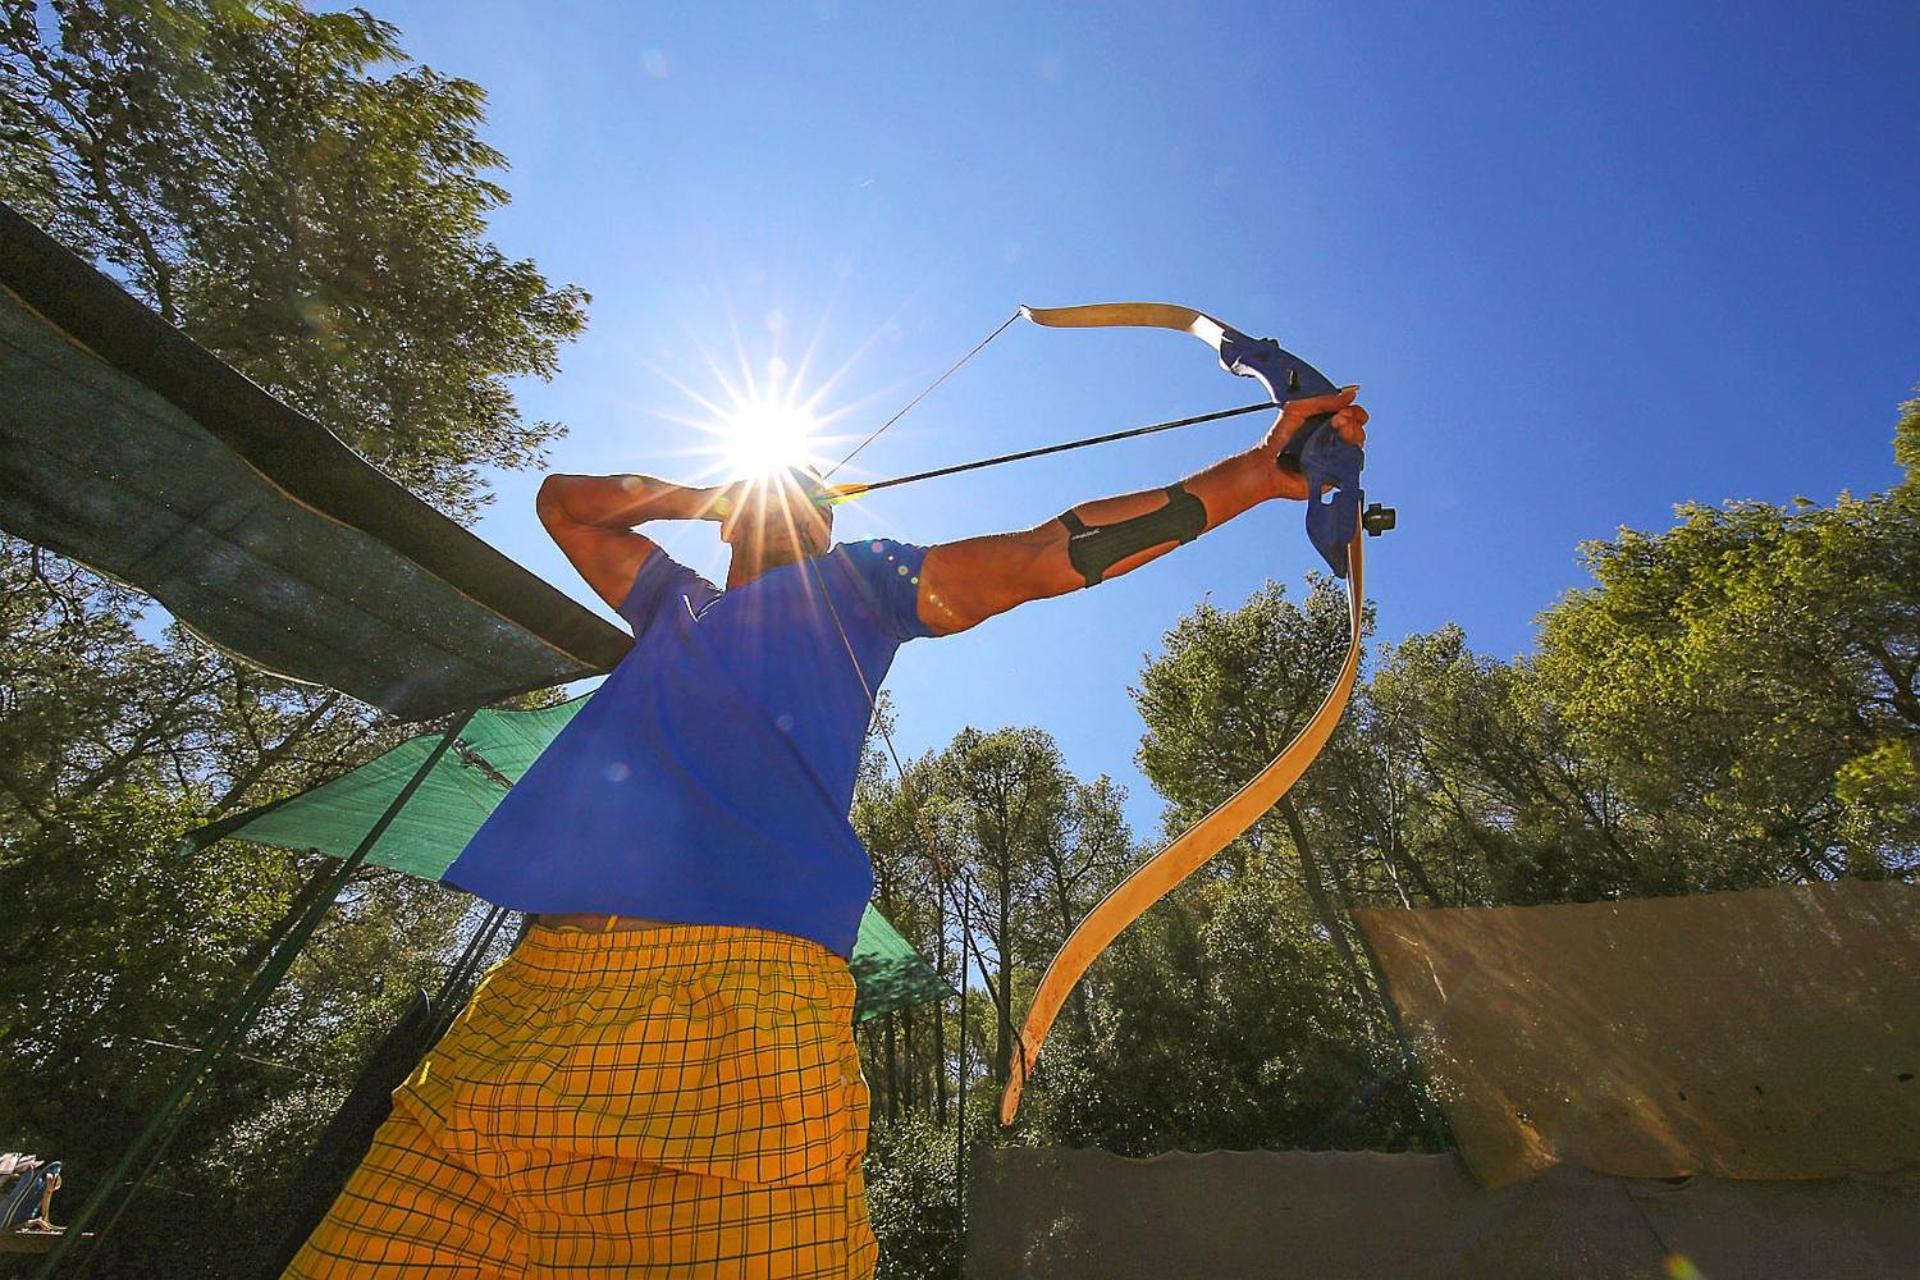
(1587, 261)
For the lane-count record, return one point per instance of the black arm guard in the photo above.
(1094, 549)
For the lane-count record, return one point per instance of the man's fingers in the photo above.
(1351, 423)
(1312, 405)
(1349, 420)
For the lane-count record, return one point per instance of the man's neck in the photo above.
(749, 563)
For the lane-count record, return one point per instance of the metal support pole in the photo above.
(960, 1114)
(464, 969)
(239, 1018)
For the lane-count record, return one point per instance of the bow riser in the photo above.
(1330, 466)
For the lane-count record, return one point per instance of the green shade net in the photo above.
(490, 755)
(129, 448)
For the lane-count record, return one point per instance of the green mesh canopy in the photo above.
(131, 449)
(488, 757)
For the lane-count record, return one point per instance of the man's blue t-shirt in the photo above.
(708, 780)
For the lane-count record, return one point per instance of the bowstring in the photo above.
(962, 882)
(925, 391)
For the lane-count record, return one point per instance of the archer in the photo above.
(662, 1078)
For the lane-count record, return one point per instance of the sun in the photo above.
(763, 414)
(762, 435)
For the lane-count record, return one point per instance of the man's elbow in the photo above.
(550, 502)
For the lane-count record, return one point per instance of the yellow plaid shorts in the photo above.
(683, 1101)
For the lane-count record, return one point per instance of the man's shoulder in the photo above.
(869, 552)
(673, 575)
(660, 578)
(877, 561)
(884, 575)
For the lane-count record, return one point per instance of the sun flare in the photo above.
(760, 436)
(762, 413)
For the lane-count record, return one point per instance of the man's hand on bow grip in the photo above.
(1349, 419)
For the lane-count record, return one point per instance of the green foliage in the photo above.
(1881, 794)
(1232, 688)
(1489, 802)
(1224, 1020)
(913, 1198)
(1906, 442)
(115, 966)
(1746, 676)
(295, 195)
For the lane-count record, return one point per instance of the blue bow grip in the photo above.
(1329, 464)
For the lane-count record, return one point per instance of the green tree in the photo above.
(913, 1200)
(984, 855)
(1229, 693)
(1224, 1019)
(1749, 678)
(1492, 800)
(1241, 1012)
(291, 191)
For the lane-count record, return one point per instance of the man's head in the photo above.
(775, 519)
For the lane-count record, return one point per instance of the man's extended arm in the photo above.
(592, 519)
(964, 583)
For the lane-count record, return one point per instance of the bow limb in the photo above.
(1132, 315)
(1156, 877)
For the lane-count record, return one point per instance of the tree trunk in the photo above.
(940, 1008)
(910, 1067)
(1317, 893)
(1003, 995)
(893, 1073)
